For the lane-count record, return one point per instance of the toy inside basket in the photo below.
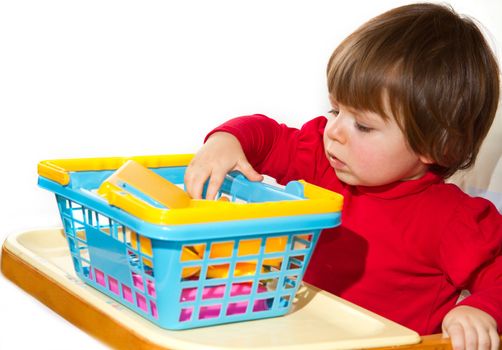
(184, 263)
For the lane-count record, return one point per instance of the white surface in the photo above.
(104, 78)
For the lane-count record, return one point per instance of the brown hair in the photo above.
(432, 69)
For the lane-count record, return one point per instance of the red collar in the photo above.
(399, 189)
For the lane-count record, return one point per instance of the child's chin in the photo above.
(347, 178)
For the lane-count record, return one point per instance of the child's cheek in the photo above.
(366, 159)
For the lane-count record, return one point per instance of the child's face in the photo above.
(364, 149)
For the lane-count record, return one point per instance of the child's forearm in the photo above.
(256, 134)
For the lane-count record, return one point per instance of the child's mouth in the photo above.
(335, 162)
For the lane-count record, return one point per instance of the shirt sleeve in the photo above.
(277, 150)
(472, 255)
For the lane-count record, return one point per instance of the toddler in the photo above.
(413, 94)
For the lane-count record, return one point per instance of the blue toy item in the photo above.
(135, 235)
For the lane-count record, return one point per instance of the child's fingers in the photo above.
(483, 340)
(456, 333)
(471, 328)
(195, 177)
(214, 184)
(194, 188)
(248, 171)
(470, 338)
(494, 339)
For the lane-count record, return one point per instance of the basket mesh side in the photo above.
(111, 257)
(180, 285)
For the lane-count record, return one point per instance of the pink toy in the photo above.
(217, 292)
(211, 292)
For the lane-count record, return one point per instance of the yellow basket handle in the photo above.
(150, 197)
(59, 170)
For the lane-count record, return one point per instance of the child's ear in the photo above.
(426, 160)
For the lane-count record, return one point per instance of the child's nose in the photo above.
(336, 129)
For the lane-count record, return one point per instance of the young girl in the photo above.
(413, 94)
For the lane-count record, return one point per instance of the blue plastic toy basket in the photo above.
(245, 262)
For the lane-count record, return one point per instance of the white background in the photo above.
(122, 78)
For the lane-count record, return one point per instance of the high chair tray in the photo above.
(39, 262)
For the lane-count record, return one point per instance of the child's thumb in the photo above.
(248, 171)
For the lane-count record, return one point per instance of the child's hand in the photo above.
(221, 154)
(470, 328)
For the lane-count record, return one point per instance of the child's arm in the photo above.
(471, 328)
(221, 153)
(471, 255)
(256, 142)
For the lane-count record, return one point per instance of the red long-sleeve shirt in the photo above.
(404, 250)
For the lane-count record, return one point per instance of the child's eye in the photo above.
(334, 112)
(362, 128)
